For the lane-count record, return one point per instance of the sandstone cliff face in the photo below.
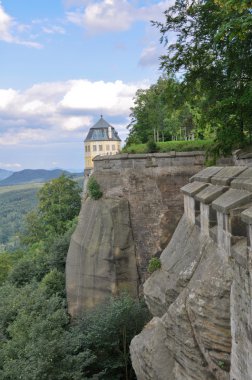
(133, 221)
(201, 296)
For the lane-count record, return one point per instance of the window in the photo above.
(88, 148)
(94, 148)
(113, 147)
(100, 148)
(107, 147)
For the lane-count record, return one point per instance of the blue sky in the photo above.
(63, 63)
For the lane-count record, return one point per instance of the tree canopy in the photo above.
(162, 113)
(213, 55)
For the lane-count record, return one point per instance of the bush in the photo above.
(168, 146)
(154, 264)
(152, 146)
(94, 190)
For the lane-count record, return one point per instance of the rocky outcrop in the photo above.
(133, 221)
(102, 258)
(201, 296)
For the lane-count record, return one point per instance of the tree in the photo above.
(59, 204)
(35, 340)
(107, 332)
(213, 54)
(160, 113)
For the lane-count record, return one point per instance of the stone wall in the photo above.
(142, 161)
(133, 221)
(201, 297)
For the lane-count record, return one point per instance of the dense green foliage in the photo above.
(94, 190)
(37, 340)
(167, 146)
(107, 332)
(161, 113)
(206, 87)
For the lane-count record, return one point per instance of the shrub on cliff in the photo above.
(154, 264)
(94, 190)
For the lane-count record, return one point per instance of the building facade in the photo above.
(102, 139)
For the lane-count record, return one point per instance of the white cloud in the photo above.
(6, 97)
(113, 98)
(61, 111)
(9, 165)
(115, 15)
(6, 23)
(9, 30)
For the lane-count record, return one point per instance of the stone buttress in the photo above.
(201, 297)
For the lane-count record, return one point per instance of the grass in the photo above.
(167, 146)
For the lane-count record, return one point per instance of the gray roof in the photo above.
(99, 132)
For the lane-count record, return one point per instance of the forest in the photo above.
(38, 339)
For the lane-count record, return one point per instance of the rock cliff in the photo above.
(201, 297)
(133, 221)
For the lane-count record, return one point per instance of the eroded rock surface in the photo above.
(201, 296)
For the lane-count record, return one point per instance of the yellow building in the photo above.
(102, 139)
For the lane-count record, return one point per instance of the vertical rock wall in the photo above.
(133, 221)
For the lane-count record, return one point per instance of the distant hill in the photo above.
(4, 174)
(32, 176)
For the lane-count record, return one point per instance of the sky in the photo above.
(63, 63)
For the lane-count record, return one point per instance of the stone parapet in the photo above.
(136, 161)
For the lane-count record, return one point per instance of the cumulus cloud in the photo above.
(114, 15)
(62, 111)
(10, 28)
(112, 98)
